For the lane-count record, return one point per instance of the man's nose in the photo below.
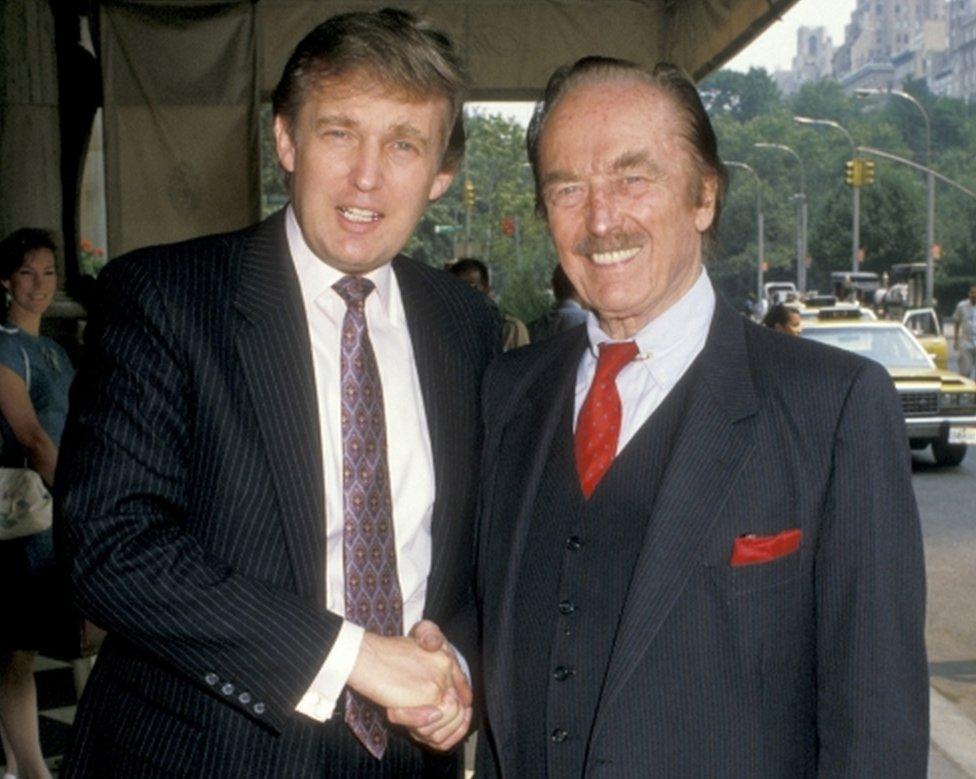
(367, 169)
(601, 211)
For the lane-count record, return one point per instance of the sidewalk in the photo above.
(953, 752)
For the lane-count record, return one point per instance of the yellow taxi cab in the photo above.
(939, 405)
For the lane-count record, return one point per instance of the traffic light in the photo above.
(468, 194)
(853, 174)
(868, 172)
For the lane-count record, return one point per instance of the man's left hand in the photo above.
(444, 726)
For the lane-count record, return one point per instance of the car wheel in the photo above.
(948, 454)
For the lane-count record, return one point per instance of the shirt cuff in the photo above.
(320, 700)
(463, 663)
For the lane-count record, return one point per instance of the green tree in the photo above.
(742, 96)
(497, 166)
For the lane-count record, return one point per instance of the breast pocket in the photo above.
(745, 579)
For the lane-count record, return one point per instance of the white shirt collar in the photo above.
(316, 277)
(684, 323)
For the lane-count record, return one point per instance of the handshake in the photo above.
(419, 681)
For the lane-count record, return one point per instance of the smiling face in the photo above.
(624, 201)
(32, 286)
(364, 164)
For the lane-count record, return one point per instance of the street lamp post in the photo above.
(930, 196)
(759, 227)
(801, 215)
(856, 218)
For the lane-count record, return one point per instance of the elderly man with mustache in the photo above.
(699, 548)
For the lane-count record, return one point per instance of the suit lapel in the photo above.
(518, 463)
(276, 355)
(714, 444)
(436, 355)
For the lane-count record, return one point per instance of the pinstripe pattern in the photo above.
(813, 664)
(190, 507)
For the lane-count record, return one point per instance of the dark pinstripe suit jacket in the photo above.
(191, 503)
(813, 664)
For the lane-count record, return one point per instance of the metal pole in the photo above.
(856, 216)
(930, 241)
(930, 185)
(518, 243)
(801, 201)
(760, 225)
(800, 274)
(760, 238)
(930, 199)
(467, 212)
(806, 247)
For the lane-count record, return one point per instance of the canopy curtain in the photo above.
(181, 120)
(30, 138)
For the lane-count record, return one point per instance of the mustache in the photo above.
(592, 244)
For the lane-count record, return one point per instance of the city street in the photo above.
(947, 507)
(947, 504)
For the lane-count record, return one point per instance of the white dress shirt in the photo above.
(667, 346)
(409, 455)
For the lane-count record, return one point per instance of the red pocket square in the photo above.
(749, 550)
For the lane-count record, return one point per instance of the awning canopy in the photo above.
(181, 81)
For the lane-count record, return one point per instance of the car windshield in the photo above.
(891, 346)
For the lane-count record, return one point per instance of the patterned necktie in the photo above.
(598, 425)
(372, 591)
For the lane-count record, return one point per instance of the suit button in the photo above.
(211, 679)
(244, 697)
(259, 708)
(562, 673)
(566, 607)
(558, 736)
(574, 543)
(227, 689)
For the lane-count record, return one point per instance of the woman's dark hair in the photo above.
(778, 315)
(16, 246)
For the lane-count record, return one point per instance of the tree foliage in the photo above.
(893, 209)
(745, 108)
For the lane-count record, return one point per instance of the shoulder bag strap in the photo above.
(23, 353)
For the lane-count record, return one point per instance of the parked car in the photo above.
(939, 405)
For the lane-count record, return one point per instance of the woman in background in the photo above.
(786, 319)
(35, 374)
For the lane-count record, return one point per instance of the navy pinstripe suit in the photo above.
(191, 509)
(810, 665)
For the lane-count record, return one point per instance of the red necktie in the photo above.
(598, 425)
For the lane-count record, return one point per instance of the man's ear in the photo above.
(284, 144)
(705, 210)
(440, 184)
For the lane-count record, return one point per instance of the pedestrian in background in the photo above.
(35, 374)
(786, 319)
(475, 273)
(565, 314)
(964, 341)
